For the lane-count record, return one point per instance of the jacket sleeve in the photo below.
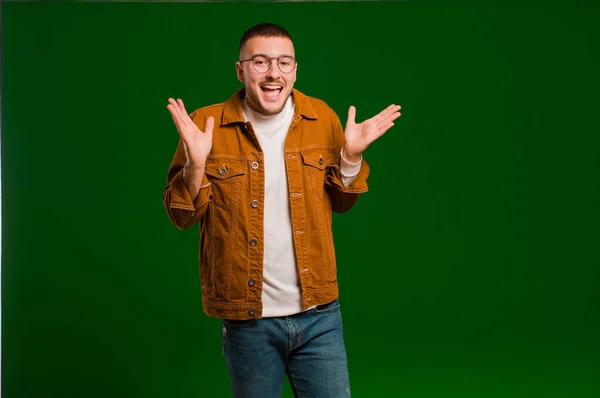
(181, 210)
(343, 197)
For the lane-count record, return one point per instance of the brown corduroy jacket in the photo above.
(229, 207)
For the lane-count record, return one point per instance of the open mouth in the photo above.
(271, 91)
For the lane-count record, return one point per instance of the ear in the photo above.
(293, 75)
(239, 71)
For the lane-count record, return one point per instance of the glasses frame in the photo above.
(271, 62)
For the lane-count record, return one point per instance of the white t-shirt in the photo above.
(281, 290)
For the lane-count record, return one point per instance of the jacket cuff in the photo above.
(348, 169)
(181, 198)
(358, 185)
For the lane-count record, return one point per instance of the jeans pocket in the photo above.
(327, 308)
(238, 324)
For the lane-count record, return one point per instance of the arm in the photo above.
(187, 193)
(345, 182)
(354, 140)
(349, 170)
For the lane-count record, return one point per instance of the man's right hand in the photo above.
(197, 144)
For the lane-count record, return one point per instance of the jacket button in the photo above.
(255, 203)
(252, 312)
(252, 282)
(255, 165)
(253, 242)
(320, 160)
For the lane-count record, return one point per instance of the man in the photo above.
(261, 173)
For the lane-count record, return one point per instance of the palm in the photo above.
(197, 143)
(360, 135)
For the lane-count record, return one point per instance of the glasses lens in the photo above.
(261, 64)
(286, 64)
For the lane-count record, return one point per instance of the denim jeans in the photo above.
(308, 347)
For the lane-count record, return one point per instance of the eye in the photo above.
(260, 61)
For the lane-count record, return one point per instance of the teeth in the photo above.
(272, 87)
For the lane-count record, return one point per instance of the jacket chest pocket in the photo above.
(227, 179)
(316, 162)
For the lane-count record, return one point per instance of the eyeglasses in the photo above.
(262, 63)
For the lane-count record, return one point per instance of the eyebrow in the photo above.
(265, 55)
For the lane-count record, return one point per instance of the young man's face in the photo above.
(266, 92)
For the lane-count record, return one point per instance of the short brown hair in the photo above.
(265, 29)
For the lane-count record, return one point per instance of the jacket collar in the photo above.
(232, 111)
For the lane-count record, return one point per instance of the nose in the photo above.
(274, 71)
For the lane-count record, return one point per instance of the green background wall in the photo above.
(470, 269)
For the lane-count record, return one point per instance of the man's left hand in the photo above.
(360, 135)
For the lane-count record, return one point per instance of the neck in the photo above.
(260, 118)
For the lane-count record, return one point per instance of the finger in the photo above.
(175, 115)
(209, 128)
(210, 123)
(389, 118)
(383, 129)
(185, 112)
(180, 111)
(386, 112)
(177, 126)
(351, 114)
(393, 117)
(174, 103)
(180, 102)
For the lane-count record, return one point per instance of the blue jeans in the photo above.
(308, 347)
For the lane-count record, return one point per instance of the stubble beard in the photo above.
(255, 104)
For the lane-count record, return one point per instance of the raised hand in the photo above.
(197, 143)
(359, 136)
